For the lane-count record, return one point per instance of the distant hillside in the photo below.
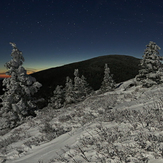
(123, 68)
(1, 92)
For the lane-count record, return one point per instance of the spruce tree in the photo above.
(77, 82)
(81, 87)
(87, 89)
(17, 100)
(108, 83)
(69, 92)
(151, 71)
(58, 98)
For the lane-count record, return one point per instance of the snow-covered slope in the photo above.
(116, 127)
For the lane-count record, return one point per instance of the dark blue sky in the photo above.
(55, 32)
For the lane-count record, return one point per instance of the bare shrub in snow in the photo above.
(46, 128)
(52, 131)
(34, 141)
(64, 118)
(17, 135)
(131, 137)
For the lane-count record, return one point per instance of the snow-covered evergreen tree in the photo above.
(81, 87)
(77, 81)
(151, 71)
(108, 83)
(58, 98)
(69, 91)
(87, 89)
(17, 101)
(77, 85)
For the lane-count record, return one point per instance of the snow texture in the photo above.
(119, 126)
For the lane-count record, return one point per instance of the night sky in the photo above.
(51, 33)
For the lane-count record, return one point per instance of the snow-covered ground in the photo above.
(125, 125)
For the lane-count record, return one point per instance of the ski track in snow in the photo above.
(48, 151)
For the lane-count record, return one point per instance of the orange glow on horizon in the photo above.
(29, 72)
(4, 76)
(7, 76)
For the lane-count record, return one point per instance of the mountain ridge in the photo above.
(122, 67)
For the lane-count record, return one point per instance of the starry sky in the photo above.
(52, 33)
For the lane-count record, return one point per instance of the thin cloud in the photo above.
(31, 70)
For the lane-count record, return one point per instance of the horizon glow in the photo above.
(55, 33)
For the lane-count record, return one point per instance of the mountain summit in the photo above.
(121, 66)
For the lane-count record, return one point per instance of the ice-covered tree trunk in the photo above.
(58, 98)
(151, 72)
(108, 83)
(19, 88)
